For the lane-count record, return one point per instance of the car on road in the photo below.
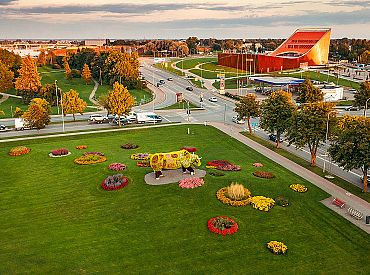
(238, 120)
(352, 91)
(3, 128)
(213, 99)
(98, 118)
(123, 120)
(273, 138)
(189, 88)
(161, 81)
(169, 79)
(352, 108)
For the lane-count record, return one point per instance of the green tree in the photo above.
(351, 146)
(51, 93)
(308, 93)
(308, 126)
(6, 78)
(120, 101)
(38, 113)
(103, 101)
(277, 110)
(192, 43)
(72, 103)
(28, 83)
(363, 94)
(248, 107)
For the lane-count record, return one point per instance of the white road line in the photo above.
(166, 119)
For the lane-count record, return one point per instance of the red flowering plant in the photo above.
(59, 152)
(114, 182)
(222, 225)
(224, 165)
(117, 166)
(191, 183)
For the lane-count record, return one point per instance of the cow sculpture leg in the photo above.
(190, 169)
(158, 174)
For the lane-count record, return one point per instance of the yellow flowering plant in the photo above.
(298, 188)
(262, 203)
(277, 247)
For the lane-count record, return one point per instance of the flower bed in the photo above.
(225, 196)
(191, 183)
(277, 247)
(129, 146)
(222, 225)
(19, 150)
(189, 149)
(298, 188)
(81, 147)
(262, 203)
(143, 164)
(140, 156)
(216, 174)
(89, 159)
(117, 166)
(94, 153)
(61, 152)
(224, 165)
(114, 182)
(281, 201)
(257, 164)
(263, 174)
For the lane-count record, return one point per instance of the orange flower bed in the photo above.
(81, 147)
(18, 151)
(90, 159)
(263, 174)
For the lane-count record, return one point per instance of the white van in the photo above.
(148, 117)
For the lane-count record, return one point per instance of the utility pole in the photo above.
(56, 94)
(225, 114)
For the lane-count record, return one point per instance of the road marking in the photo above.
(166, 119)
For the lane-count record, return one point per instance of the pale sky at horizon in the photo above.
(68, 19)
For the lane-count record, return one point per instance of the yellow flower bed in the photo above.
(277, 247)
(210, 167)
(298, 188)
(90, 159)
(262, 203)
(222, 197)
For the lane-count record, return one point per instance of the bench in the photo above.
(355, 213)
(339, 202)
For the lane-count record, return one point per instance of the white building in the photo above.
(331, 92)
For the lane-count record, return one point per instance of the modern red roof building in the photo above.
(305, 47)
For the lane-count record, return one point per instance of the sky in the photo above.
(169, 19)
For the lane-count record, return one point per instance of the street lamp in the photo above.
(61, 103)
(326, 138)
(366, 107)
(56, 94)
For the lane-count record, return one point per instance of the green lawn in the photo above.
(181, 105)
(56, 219)
(231, 83)
(169, 68)
(190, 63)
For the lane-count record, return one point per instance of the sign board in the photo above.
(254, 124)
(303, 66)
(159, 59)
(222, 84)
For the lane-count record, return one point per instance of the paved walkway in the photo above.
(92, 94)
(3, 98)
(9, 95)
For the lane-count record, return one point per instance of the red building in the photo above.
(306, 47)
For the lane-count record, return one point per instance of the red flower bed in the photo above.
(222, 225)
(224, 165)
(189, 149)
(114, 182)
(60, 152)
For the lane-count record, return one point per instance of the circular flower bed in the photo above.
(61, 152)
(281, 201)
(143, 164)
(140, 156)
(234, 195)
(262, 203)
(222, 225)
(94, 153)
(263, 174)
(257, 164)
(129, 146)
(216, 174)
(191, 183)
(277, 247)
(81, 147)
(224, 165)
(114, 182)
(298, 188)
(89, 159)
(20, 150)
(117, 166)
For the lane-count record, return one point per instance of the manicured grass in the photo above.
(192, 62)
(213, 66)
(345, 103)
(169, 68)
(10, 104)
(231, 83)
(55, 218)
(181, 105)
(317, 170)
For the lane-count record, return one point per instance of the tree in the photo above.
(38, 113)
(103, 101)
(11, 61)
(6, 78)
(308, 93)
(41, 60)
(192, 43)
(51, 93)
(18, 112)
(365, 57)
(28, 82)
(86, 74)
(277, 110)
(308, 126)
(351, 146)
(2, 112)
(183, 49)
(248, 107)
(67, 70)
(363, 94)
(120, 101)
(72, 103)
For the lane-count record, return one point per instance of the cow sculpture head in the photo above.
(195, 160)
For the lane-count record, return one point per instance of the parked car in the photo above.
(123, 120)
(352, 108)
(161, 81)
(158, 84)
(98, 118)
(3, 128)
(148, 117)
(238, 120)
(213, 99)
(132, 117)
(169, 79)
(189, 88)
(273, 138)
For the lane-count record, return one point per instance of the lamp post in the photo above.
(366, 107)
(326, 138)
(56, 94)
(61, 103)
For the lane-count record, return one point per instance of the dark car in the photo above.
(273, 138)
(2, 127)
(161, 81)
(123, 120)
(352, 108)
(189, 88)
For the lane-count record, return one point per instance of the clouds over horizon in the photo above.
(182, 19)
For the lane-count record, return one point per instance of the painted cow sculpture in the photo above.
(174, 160)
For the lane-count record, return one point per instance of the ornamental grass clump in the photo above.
(222, 225)
(114, 182)
(262, 203)
(298, 188)
(263, 174)
(19, 150)
(277, 247)
(234, 195)
(235, 191)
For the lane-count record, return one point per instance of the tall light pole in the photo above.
(366, 107)
(61, 103)
(326, 139)
(56, 94)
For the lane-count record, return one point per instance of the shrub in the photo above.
(19, 150)
(129, 146)
(89, 159)
(222, 225)
(298, 188)
(81, 147)
(262, 203)
(56, 66)
(216, 174)
(235, 191)
(117, 166)
(191, 183)
(60, 152)
(76, 73)
(277, 247)
(281, 201)
(114, 182)
(263, 174)
(224, 165)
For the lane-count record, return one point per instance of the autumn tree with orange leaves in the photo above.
(120, 101)
(72, 103)
(38, 113)
(6, 78)
(67, 71)
(86, 74)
